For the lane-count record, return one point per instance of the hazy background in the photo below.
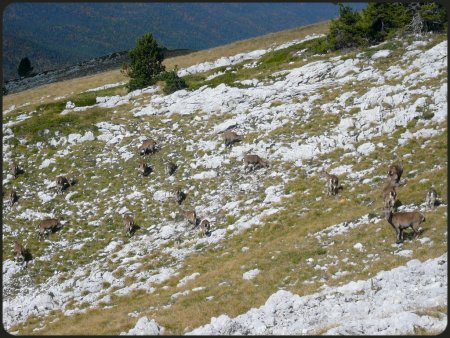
(54, 35)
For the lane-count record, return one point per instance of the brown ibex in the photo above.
(332, 182)
(180, 196)
(144, 168)
(62, 183)
(128, 225)
(15, 170)
(389, 195)
(13, 197)
(230, 137)
(170, 168)
(403, 220)
(204, 226)
(49, 225)
(190, 216)
(395, 172)
(19, 252)
(431, 198)
(148, 146)
(253, 162)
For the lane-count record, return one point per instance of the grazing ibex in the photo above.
(19, 252)
(180, 196)
(190, 216)
(205, 226)
(62, 183)
(170, 168)
(144, 168)
(389, 195)
(254, 162)
(15, 170)
(231, 137)
(403, 220)
(148, 146)
(332, 183)
(49, 225)
(12, 197)
(395, 173)
(431, 198)
(128, 225)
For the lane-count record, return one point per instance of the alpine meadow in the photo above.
(290, 184)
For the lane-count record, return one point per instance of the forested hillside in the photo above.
(54, 35)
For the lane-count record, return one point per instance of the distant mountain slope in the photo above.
(60, 34)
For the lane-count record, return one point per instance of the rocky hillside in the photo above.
(280, 249)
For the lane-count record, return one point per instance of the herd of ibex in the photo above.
(399, 220)
(402, 220)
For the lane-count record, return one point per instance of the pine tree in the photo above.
(346, 31)
(24, 68)
(145, 62)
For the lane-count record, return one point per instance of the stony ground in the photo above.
(350, 114)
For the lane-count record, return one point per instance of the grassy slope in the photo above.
(279, 248)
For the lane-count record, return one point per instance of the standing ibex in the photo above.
(12, 197)
(395, 173)
(403, 220)
(332, 182)
(431, 198)
(231, 137)
(180, 196)
(254, 162)
(205, 226)
(15, 170)
(170, 168)
(49, 225)
(128, 225)
(190, 216)
(389, 195)
(144, 168)
(62, 183)
(19, 252)
(148, 146)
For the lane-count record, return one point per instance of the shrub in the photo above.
(172, 82)
(380, 21)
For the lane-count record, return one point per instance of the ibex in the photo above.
(190, 216)
(205, 226)
(395, 173)
(15, 170)
(49, 225)
(332, 183)
(431, 198)
(19, 252)
(254, 162)
(389, 195)
(170, 168)
(62, 183)
(12, 197)
(148, 146)
(403, 220)
(128, 225)
(144, 168)
(231, 137)
(179, 196)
